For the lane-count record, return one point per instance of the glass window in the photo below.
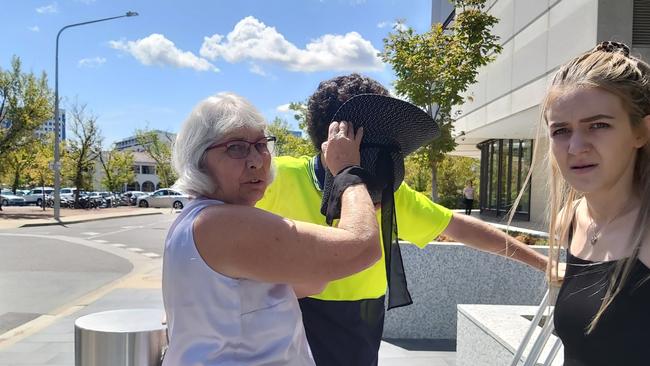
(504, 166)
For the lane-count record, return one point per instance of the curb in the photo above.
(87, 219)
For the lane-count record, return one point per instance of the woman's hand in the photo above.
(342, 146)
(556, 280)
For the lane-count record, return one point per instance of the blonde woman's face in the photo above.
(592, 139)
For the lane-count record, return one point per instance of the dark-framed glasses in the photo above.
(240, 149)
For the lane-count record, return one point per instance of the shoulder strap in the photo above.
(571, 225)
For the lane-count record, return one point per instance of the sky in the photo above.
(149, 71)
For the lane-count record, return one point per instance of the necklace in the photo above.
(595, 234)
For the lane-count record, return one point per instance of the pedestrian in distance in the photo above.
(468, 197)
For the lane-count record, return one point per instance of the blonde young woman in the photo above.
(597, 110)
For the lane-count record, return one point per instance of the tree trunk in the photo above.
(434, 182)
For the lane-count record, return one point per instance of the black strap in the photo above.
(347, 177)
(398, 293)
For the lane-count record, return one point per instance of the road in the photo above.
(43, 269)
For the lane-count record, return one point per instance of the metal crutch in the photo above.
(541, 339)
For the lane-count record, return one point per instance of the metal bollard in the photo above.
(133, 337)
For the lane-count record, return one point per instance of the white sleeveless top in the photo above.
(217, 320)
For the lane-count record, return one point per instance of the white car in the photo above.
(67, 193)
(164, 198)
(8, 198)
(36, 195)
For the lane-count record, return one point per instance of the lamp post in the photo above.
(57, 125)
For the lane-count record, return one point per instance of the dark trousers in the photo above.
(342, 333)
(468, 206)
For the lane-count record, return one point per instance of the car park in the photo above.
(8, 198)
(164, 198)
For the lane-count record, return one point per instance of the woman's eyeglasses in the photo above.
(240, 149)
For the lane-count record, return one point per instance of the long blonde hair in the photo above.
(610, 67)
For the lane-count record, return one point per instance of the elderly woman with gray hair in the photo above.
(231, 272)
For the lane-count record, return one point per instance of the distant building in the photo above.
(49, 127)
(144, 166)
(46, 128)
(296, 133)
(131, 143)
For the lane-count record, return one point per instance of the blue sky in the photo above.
(150, 70)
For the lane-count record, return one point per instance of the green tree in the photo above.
(453, 174)
(83, 148)
(288, 144)
(300, 113)
(160, 150)
(437, 67)
(25, 103)
(17, 162)
(417, 173)
(38, 172)
(118, 169)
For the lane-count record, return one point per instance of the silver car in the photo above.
(8, 198)
(164, 198)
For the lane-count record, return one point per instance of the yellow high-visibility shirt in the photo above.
(295, 194)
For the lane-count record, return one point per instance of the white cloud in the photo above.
(91, 62)
(256, 69)
(34, 28)
(158, 50)
(52, 8)
(252, 40)
(284, 108)
(399, 26)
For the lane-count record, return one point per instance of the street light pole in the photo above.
(57, 125)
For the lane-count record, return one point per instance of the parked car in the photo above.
(110, 198)
(132, 197)
(8, 198)
(35, 196)
(164, 198)
(67, 193)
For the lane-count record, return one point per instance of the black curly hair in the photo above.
(329, 96)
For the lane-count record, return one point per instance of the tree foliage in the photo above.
(118, 169)
(82, 148)
(25, 104)
(287, 144)
(453, 174)
(435, 68)
(160, 150)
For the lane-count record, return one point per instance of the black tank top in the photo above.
(622, 336)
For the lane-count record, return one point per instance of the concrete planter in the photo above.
(443, 275)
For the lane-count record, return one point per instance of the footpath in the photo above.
(12, 217)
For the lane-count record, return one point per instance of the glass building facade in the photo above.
(504, 166)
